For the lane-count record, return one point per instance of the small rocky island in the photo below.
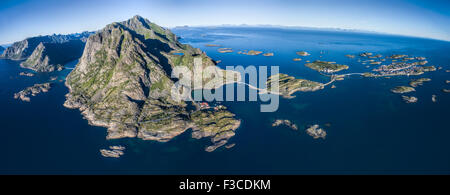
(24, 95)
(27, 74)
(252, 53)
(287, 123)
(402, 89)
(350, 56)
(212, 45)
(230, 146)
(418, 82)
(409, 99)
(268, 54)
(303, 53)
(288, 85)
(326, 67)
(113, 152)
(316, 132)
(225, 50)
(366, 54)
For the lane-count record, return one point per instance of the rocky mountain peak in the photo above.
(138, 18)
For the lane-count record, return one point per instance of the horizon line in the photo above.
(257, 25)
(311, 28)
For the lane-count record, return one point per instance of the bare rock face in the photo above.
(123, 82)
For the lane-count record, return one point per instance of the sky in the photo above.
(20, 19)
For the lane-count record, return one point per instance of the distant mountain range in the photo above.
(47, 53)
(280, 27)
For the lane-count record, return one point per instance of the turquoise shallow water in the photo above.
(371, 130)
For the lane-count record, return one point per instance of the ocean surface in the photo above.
(370, 130)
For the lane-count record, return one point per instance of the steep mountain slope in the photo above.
(123, 82)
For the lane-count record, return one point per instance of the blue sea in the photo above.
(370, 130)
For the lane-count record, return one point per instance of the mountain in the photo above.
(48, 57)
(2, 49)
(123, 82)
(21, 50)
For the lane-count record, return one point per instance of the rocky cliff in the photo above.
(123, 82)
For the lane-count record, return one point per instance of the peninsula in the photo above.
(123, 82)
